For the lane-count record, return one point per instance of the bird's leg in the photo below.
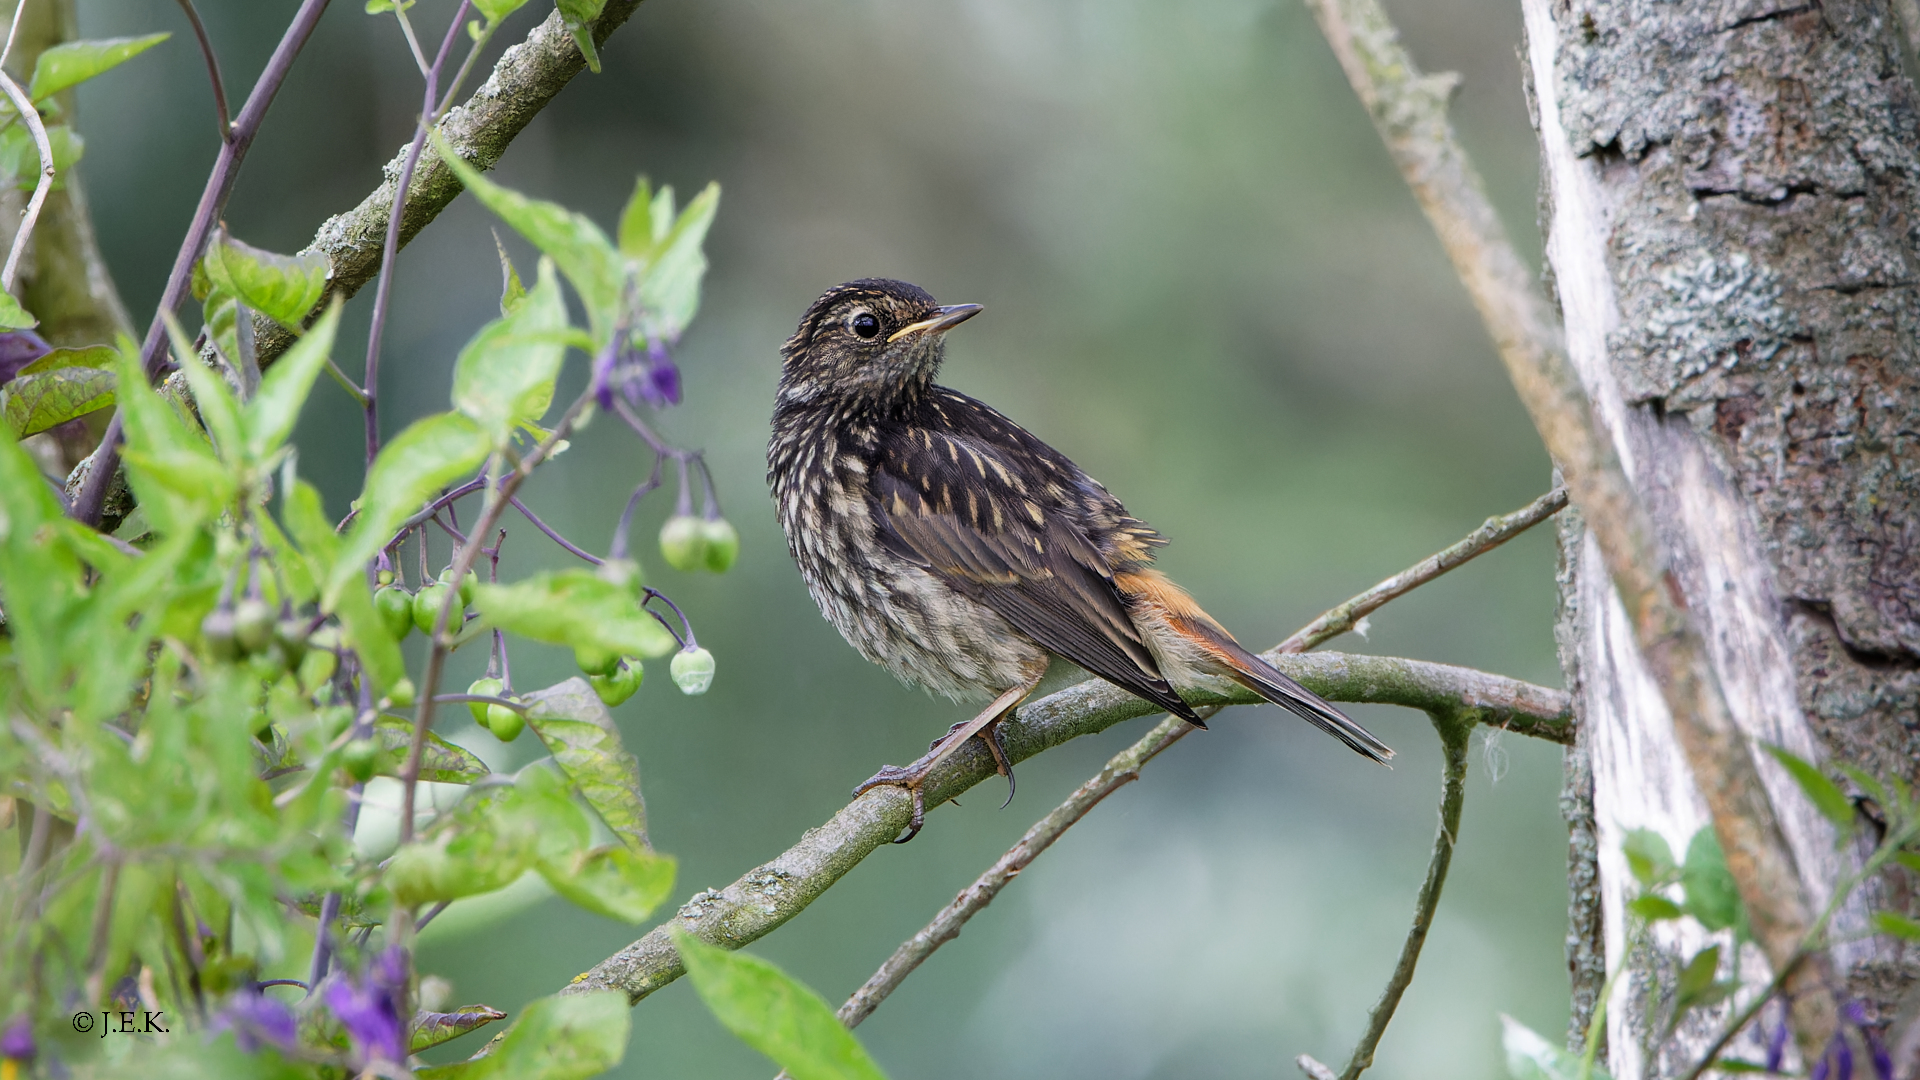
(913, 777)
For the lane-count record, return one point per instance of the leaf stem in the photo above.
(213, 69)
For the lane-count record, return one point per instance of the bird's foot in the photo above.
(913, 778)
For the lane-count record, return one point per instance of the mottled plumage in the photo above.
(961, 553)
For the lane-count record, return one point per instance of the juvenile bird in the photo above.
(961, 553)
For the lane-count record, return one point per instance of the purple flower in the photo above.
(369, 1007)
(18, 348)
(648, 376)
(17, 1041)
(256, 1020)
(1777, 1042)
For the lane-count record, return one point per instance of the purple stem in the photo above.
(226, 171)
(383, 289)
(551, 535)
(686, 642)
(213, 69)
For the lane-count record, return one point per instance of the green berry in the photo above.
(401, 694)
(426, 606)
(218, 632)
(252, 624)
(594, 660)
(617, 686)
(466, 584)
(395, 608)
(683, 543)
(624, 573)
(692, 670)
(506, 724)
(384, 577)
(359, 759)
(291, 636)
(483, 688)
(723, 544)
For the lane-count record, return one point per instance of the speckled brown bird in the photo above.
(961, 553)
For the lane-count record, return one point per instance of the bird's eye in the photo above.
(865, 325)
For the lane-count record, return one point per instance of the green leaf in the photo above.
(62, 385)
(564, 1037)
(282, 287)
(773, 1013)
(1736, 1065)
(415, 465)
(1909, 860)
(637, 237)
(12, 315)
(170, 467)
(575, 243)
(495, 10)
(576, 728)
(75, 62)
(1648, 856)
(505, 375)
(379, 653)
(430, 1029)
(219, 408)
(578, 16)
(1825, 795)
(441, 762)
(20, 155)
(1531, 1057)
(614, 880)
(307, 520)
(1698, 974)
(1655, 908)
(284, 388)
(670, 284)
(575, 608)
(381, 7)
(1712, 897)
(512, 292)
(453, 863)
(1897, 925)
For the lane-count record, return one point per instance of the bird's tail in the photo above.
(1266, 680)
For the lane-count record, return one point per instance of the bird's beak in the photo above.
(947, 318)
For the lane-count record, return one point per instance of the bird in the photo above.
(961, 553)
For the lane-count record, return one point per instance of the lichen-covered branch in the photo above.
(776, 891)
(525, 79)
(1409, 110)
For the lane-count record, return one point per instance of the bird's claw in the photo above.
(910, 778)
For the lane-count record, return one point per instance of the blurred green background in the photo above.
(1204, 282)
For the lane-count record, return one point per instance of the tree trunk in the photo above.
(1727, 193)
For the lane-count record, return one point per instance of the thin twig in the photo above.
(1456, 730)
(1494, 532)
(213, 199)
(383, 289)
(29, 116)
(213, 68)
(1125, 766)
(1408, 109)
(570, 546)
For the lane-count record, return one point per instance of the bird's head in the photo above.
(871, 342)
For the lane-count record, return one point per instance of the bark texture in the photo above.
(1727, 198)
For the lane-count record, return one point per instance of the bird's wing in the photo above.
(986, 519)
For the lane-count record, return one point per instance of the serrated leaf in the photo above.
(505, 375)
(1824, 794)
(12, 315)
(575, 608)
(1531, 1057)
(576, 728)
(282, 287)
(1648, 856)
(576, 244)
(1896, 924)
(416, 464)
(430, 1029)
(284, 388)
(74, 62)
(441, 762)
(1655, 908)
(564, 1037)
(614, 880)
(774, 1013)
(1712, 897)
(58, 387)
